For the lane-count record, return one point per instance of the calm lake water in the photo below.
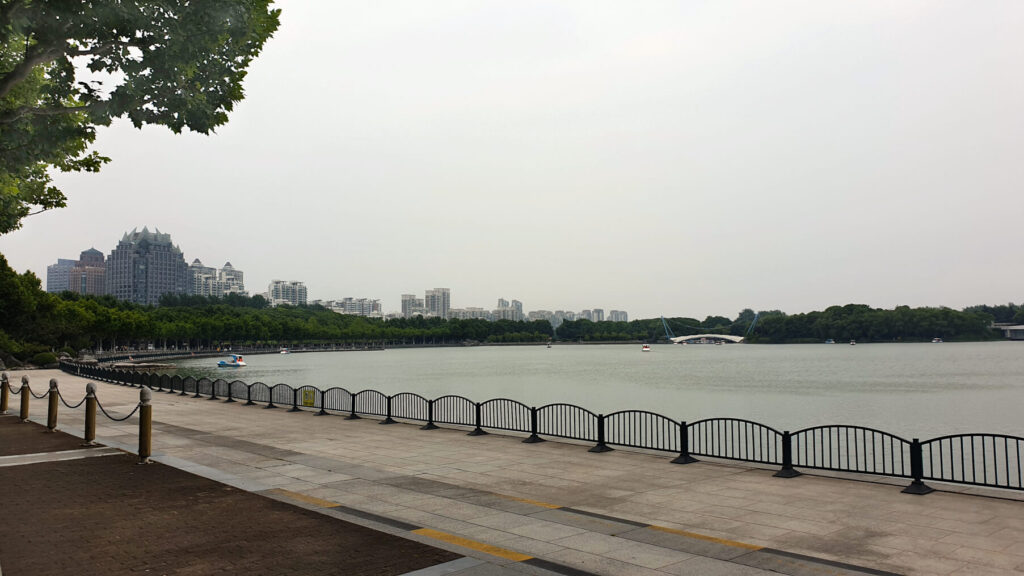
(913, 390)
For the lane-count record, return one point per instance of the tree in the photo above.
(67, 67)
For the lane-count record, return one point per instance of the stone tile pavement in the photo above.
(553, 507)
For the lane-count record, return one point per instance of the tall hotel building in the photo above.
(89, 276)
(57, 275)
(285, 292)
(438, 301)
(144, 266)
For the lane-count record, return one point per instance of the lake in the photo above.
(912, 390)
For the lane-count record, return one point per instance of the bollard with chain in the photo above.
(145, 425)
(90, 415)
(4, 391)
(26, 393)
(51, 410)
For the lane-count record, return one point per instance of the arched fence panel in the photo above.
(642, 429)
(175, 384)
(857, 449)
(238, 390)
(188, 385)
(371, 402)
(220, 388)
(259, 392)
(505, 414)
(567, 421)
(281, 394)
(409, 406)
(204, 387)
(736, 439)
(164, 382)
(338, 400)
(456, 410)
(979, 459)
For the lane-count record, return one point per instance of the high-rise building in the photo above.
(412, 306)
(598, 314)
(508, 311)
(57, 275)
(208, 281)
(89, 275)
(144, 266)
(438, 301)
(286, 292)
(585, 315)
(354, 306)
(618, 316)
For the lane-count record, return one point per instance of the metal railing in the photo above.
(990, 460)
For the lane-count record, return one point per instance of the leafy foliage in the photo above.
(67, 67)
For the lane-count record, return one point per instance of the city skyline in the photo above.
(677, 160)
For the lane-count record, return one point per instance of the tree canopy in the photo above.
(68, 66)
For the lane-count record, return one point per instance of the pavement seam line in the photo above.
(696, 536)
(305, 498)
(528, 501)
(472, 544)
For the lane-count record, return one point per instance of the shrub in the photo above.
(44, 359)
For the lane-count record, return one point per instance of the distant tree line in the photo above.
(34, 322)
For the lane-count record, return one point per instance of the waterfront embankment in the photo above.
(612, 513)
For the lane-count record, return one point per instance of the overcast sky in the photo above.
(673, 158)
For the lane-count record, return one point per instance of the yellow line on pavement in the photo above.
(473, 544)
(707, 538)
(528, 501)
(304, 498)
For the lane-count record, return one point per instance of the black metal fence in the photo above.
(992, 460)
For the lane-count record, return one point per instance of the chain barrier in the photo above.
(65, 402)
(40, 396)
(107, 414)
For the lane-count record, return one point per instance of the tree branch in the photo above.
(22, 70)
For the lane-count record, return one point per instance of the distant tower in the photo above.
(144, 266)
(89, 275)
(438, 301)
(287, 292)
(57, 275)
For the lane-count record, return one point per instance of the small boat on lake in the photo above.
(285, 351)
(830, 341)
(235, 362)
(646, 348)
(937, 340)
(853, 342)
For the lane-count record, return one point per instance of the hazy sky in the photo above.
(663, 158)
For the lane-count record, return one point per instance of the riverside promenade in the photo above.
(502, 507)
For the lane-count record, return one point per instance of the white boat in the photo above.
(235, 362)
(285, 351)
(936, 340)
(830, 341)
(853, 342)
(646, 348)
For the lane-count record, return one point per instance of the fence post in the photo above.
(90, 414)
(353, 415)
(230, 398)
(51, 409)
(534, 438)
(323, 404)
(213, 390)
(197, 387)
(478, 431)
(295, 401)
(145, 425)
(787, 458)
(26, 393)
(601, 446)
(270, 398)
(684, 446)
(430, 417)
(4, 392)
(917, 486)
(387, 419)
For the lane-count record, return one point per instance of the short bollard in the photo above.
(51, 410)
(26, 393)
(4, 392)
(90, 415)
(145, 425)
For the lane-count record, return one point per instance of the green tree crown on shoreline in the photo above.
(68, 66)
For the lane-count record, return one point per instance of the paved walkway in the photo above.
(556, 508)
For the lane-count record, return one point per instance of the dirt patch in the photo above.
(108, 515)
